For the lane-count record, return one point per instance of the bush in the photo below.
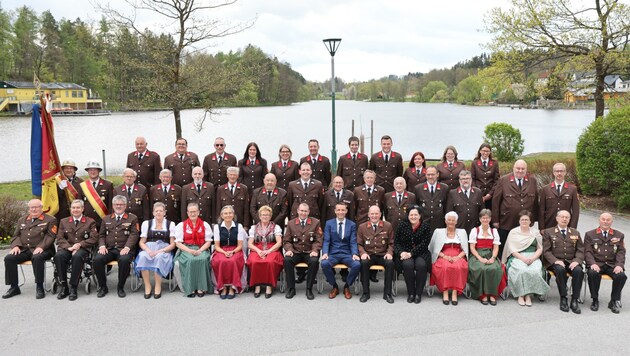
(602, 155)
(505, 140)
(11, 210)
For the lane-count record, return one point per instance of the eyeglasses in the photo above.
(285, 151)
(219, 144)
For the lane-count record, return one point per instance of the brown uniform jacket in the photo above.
(278, 204)
(434, 206)
(450, 176)
(252, 176)
(64, 204)
(379, 242)
(467, 209)
(240, 202)
(30, 234)
(414, 177)
(558, 248)
(121, 234)
(604, 251)
(285, 175)
(551, 203)
(352, 170)
(205, 199)
(386, 173)
(508, 200)
(105, 190)
(172, 200)
(321, 169)
(85, 233)
(485, 178)
(148, 168)
(330, 200)
(182, 170)
(395, 212)
(138, 202)
(307, 239)
(363, 201)
(313, 196)
(214, 172)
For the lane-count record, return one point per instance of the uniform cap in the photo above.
(93, 164)
(69, 163)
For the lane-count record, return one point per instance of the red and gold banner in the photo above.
(50, 162)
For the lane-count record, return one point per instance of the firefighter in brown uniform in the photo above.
(306, 190)
(286, 170)
(515, 192)
(169, 194)
(605, 253)
(69, 169)
(449, 168)
(75, 238)
(484, 171)
(252, 168)
(235, 194)
(466, 201)
(337, 194)
(387, 165)
(320, 165)
(118, 240)
(397, 201)
(137, 196)
(432, 197)
(181, 162)
(351, 166)
(199, 192)
(559, 195)
(563, 252)
(146, 163)
(216, 163)
(104, 190)
(375, 239)
(272, 196)
(367, 195)
(302, 242)
(33, 240)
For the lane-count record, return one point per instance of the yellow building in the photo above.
(19, 97)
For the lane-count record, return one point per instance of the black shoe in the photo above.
(309, 294)
(373, 279)
(410, 298)
(454, 302)
(73, 293)
(417, 299)
(63, 293)
(484, 301)
(564, 304)
(291, 293)
(157, 295)
(300, 278)
(614, 306)
(446, 302)
(121, 293)
(595, 305)
(364, 298)
(40, 293)
(388, 298)
(192, 295)
(575, 306)
(257, 294)
(102, 292)
(268, 295)
(12, 292)
(148, 296)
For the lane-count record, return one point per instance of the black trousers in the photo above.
(11, 263)
(415, 271)
(65, 257)
(503, 234)
(289, 268)
(365, 273)
(577, 278)
(124, 266)
(595, 278)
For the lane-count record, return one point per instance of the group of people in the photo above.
(203, 222)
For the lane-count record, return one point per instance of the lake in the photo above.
(413, 126)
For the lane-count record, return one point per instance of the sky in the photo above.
(379, 37)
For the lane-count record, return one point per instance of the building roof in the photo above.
(49, 86)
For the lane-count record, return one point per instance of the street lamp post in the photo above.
(332, 44)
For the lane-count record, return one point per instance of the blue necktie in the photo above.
(341, 230)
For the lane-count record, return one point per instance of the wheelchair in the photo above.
(85, 277)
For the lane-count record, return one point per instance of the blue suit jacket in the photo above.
(333, 244)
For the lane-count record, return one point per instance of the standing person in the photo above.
(338, 195)
(97, 193)
(228, 259)
(387, 164)
(33, 240)
(68, 189)
(484, 172)
(396, 202)
(147, 164)
(320, 165)
(199, 192)
(416, 173)
(252, 168)
(515, 192)
(466, 201)
(273, 197)
(351, 166)
(367, 195)
(563, 252)
(486, 277)
(449, 168)
(432, 196)
(216, 163)
(559, 195)
(306, 190)
(285, 169)
(137, 196)
(605, 253)
(265, 259)
(75, 238)
(236, 195)
(181, 163)
(168, 194)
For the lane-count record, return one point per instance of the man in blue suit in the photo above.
(340, 246)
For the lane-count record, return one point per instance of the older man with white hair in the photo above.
(169, 194)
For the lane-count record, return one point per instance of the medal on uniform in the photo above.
(311, 236)
(382, 242)
(126, 232)
(295, 239)
(553, 242)
(367, 242)
(86, 235)
(595, 247)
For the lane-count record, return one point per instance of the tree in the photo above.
(431, 89)
(592, 34)
(5, 44)
(26, 53)
(505, 140)
(468, 91)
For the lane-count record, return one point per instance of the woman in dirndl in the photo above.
(228, 259)
(265, 260)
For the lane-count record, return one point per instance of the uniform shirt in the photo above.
(148, 168)
(119, 234)
(181, 169)
(33, 233)
(83, 233)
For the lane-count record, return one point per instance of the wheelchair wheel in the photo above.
(88, 286)
(55, 286)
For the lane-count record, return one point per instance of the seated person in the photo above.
(265, 260)
(228, 259)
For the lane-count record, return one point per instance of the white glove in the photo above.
(63, 184)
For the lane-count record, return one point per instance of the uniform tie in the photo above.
(450, 164)
(386, 159)
(340, 230)
(165, 191)
(432, 191)
(374, 227)
(94, 185)
(338, 196)
(558, 190)
(399, 198)
(284, 164)
(305, 186)
(303, 223)
(140, 157)
(466, 193)
(313, 161)
(605, 233)
(118, 219)
(253, 162)
(369, 192)
(198, 188)
(220, 159)
(232, 189)
(129, 192)
(354, 157)
(76, 222)
(564, 232)
(485, 164)
(520, 183)
(269, 194)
